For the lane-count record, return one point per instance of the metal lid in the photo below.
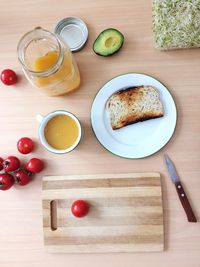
(73, 31)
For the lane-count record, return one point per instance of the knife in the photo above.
(179, 188)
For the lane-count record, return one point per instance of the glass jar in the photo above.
(48, 62)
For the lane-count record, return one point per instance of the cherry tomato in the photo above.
(8, 77)
(80, 208)
(25, 145)
(1, 163)
(6, 181)
(22, 178)
(11, 164)
(34, 165)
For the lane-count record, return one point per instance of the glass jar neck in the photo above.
(35, 44)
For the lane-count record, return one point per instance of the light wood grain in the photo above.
(21, 236)
(105, 224)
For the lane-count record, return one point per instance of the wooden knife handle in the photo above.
(185, 202)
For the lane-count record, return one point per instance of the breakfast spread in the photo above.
(108, 42)
(49, 65)
(134, 104)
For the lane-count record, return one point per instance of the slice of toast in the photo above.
(134, 104)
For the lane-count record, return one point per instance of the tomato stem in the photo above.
(17, 180)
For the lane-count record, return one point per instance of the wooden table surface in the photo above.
(21, 238)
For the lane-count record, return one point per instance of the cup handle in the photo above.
(39, 118)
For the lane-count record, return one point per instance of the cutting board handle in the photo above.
(53, 215)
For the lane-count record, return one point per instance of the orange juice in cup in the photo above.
(60, 131)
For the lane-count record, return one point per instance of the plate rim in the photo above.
(140, 157)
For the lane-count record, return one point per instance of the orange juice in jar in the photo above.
(48, 62)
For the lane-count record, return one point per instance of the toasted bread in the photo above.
(134, 104)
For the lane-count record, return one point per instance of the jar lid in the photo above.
(73, 31)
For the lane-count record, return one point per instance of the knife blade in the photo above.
(179, 188)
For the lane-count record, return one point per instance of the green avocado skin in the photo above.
(114, 40)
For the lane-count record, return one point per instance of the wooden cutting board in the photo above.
(126, 213)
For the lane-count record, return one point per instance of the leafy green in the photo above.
(176, 23)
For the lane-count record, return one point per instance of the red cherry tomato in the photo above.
(6, 181)
(11, 164)
(80, 208)
(1, 164)
(8, 77)
(25, 145)
(34, 165)
(22, 178)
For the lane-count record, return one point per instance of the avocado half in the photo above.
(108, 42)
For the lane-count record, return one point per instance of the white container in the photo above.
(43, 120)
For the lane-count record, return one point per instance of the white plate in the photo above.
(138, 140)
